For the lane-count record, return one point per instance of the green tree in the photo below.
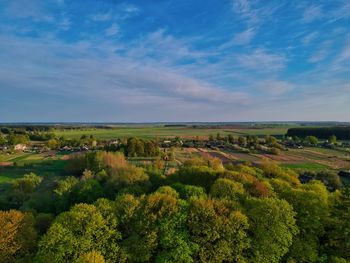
(91, 257)
(310, 202)
(312, 140)
(272, 228)
(79, 231)
(337, 238)
(242, 141)
(227, 189)
(3, 140)
(14, 139)
(218, 230)
(23, 187)
(332, 139)
(158, 231)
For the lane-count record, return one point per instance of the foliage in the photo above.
(272, 229)
(17, 235)
(104, 209)
(80, 231)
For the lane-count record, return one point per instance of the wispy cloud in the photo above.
(312, 13)
(65, 23)
(262, 60)
(112, 30)
(306, 40)
(242, 38)
(34, 9)
(245, 9)
(321, 53)
(102, 17)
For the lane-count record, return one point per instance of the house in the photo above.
(20, 147)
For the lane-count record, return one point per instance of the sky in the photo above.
(174, 60)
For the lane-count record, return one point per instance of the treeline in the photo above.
(108, 210)
(342, 133)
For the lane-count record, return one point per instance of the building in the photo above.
(20, 147)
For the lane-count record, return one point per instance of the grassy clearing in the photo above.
(41, 168)
(305, 166)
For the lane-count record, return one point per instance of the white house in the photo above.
(20, 147)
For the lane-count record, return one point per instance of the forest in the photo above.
(105, 209)
(342, 133)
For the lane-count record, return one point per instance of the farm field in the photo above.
(42, 164)
(299, 159)
(152, 132)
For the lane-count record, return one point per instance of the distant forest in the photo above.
(342, 133)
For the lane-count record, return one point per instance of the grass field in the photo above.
(305, 166)
(29, 162)
(169, 132)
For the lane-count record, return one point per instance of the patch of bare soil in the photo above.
(224, 157)
(284, 158)
(6, 163)
(65, 157)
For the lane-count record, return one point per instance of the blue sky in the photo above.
(174, 60)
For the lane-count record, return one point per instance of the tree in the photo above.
(312, 140)
(53, 144)
(332, 139)
(189, 191)
(91, 257)
(310, 202)
(230, 138)
(337, 238)
(158, 232)
(17, 234)
(218, 230)
(2, 140)
(272, 228)
(24, 187)
(28, 183)
(79, 231)
(14, 139)
(195, 175)
(227, 189)
(270, 140)
(242, 141)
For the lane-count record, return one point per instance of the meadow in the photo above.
(152, 132)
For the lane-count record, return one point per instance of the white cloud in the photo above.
(131, 9)
(312, 13)
(112, 30)
(34, 9)
(262, 60)
(344, 55)
(342, 12)
(102, 17)
(80, 71)
(321, 53)
(65, 23)
(245, 10)
(306, 40)
(242, 38)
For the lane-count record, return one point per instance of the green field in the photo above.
(151, 132)
(305, 166)
(29, 162)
